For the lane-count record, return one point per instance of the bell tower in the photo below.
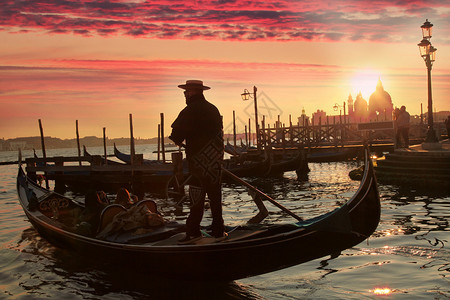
(350, 107)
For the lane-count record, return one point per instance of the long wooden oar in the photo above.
(262, 194)
(257, 191)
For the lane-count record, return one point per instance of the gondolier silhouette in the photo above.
(200, 125)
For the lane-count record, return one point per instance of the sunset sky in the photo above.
(98, 61)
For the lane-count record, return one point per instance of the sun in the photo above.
(364, 81)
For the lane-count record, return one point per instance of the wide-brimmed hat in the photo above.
(194, 84)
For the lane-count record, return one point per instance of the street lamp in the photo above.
(428, 53)
(246, 95)
(337, 106)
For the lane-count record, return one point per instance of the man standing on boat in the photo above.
(200, 125)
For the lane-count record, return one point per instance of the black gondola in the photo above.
(242, 166)
(331, 155)
(248, 251)
(107, 161)
(126, 158)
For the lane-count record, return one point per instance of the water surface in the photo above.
(406, 258)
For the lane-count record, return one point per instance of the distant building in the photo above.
(380, 104)
(319, 117)
(303, 120)
(440, 116)
(350, 108)
(15, 145)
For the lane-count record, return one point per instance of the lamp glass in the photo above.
(433, 54)
(427, 29)
(424, 47)
(245, 95)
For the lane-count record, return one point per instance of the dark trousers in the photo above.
(199, 187)
(403, 134)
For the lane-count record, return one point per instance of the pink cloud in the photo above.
(223, 20)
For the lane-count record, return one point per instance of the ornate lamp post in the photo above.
(337, 106)
(428, 53)
(246, 96)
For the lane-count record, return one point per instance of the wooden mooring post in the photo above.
(262, 141)
(162, 138)
(258, 139)
(159, 142)
(44, 155)
(104, 145)
(246, 137)
(78, 142)
(234, 129)
(132, 150)
(249, 133)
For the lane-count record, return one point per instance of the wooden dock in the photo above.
(417, 168)
(85, 172)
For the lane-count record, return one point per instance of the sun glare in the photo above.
(382, 291)
(365, 81)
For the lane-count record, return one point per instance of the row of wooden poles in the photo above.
(161, 148)
(277, 125)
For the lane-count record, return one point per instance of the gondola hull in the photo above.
(279, 166)
(248, 168)
(332, 155)
(268, 248)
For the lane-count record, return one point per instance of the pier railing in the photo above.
(334, 134)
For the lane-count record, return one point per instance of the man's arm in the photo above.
(178, 134)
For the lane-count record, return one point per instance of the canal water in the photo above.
(407, 257)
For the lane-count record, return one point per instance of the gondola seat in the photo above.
(108, 214)
(151, 205)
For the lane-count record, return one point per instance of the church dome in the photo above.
(360, 108)
(360, 102)
(380, 103)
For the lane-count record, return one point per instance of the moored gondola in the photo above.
(332, 155)
(103, 161)
(126, 158)
(248, 251)
(247, 168)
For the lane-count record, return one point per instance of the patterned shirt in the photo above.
(200, 125)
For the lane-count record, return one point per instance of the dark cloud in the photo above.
(226, 19)
(83, 32)
(106, 32)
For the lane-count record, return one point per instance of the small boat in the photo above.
(108, 161)
(271, 162)
(245, 166)
(232, 150)
(331, 155)
(248, 250)
(126, 158)
(284, 163)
